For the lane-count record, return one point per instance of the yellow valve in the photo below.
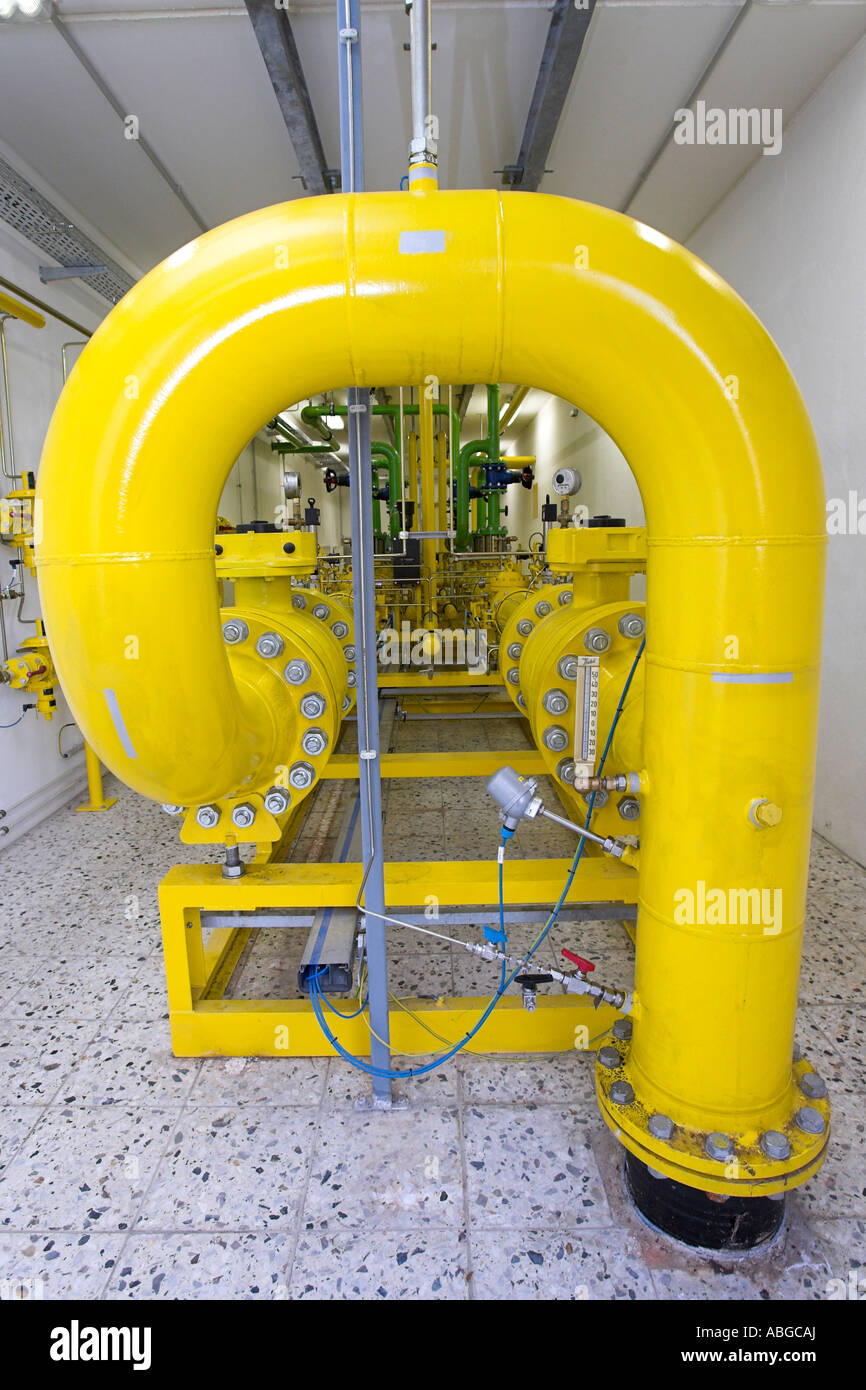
(736, 531)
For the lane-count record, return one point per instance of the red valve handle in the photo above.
(583, 965)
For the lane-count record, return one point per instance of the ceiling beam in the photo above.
(274, 35)
(568, 26)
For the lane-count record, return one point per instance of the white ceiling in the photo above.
(196, 80)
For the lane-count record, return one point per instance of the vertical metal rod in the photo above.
(11, 450)
(363, 592)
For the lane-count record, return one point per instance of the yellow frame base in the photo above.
(203, 1023)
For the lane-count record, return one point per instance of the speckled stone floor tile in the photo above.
(560, 1078)
(16, 1122)
(532, 1166)
(37, 1058)
(131, 1064)
(71, 988)
(843, 1243)
(82, 1168)
(845, 1030)
(241, 1168)
(567, 1265)
(228, 1266)
(57, 1266)
(428, 1264)
(231, 1081)
(347, 1085)
(397, 1170)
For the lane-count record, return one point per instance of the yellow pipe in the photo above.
(512, 407)
(96, 798)
(428, 492)
(16, 310)
(442, 482)
(673, 365)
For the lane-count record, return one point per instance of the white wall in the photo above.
(34, 778)
(254, 492)
(790, 239)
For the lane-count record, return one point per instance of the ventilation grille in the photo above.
(25, 209)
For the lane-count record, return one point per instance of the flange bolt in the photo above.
(809, 1120)
(207, 816)
(775, 1144)
(235, 630)
(621, 1093)
(314, 742)
(313, 706)
(660, 1126)
(301, 776)
(622, 1029)
(609, 1057)
(813, 1085)
(244, 815)
(596, 640)
(555, 738)
(270, 644)
(631, 625)
(568, 668)
(276, 801)
(297, 671)
(555, 701)
(719, 1146)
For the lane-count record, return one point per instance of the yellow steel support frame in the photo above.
(197, 972)
(700, 401)
(96, 798)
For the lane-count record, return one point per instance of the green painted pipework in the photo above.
(391, 459)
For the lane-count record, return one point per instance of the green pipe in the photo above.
(279, 447)
(377, 505)
(467, 454)
(482, 501)
(315, 412)
(391, 459)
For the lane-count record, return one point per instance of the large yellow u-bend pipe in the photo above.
(600, 310)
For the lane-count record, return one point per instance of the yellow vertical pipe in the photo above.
(429, 547)
(442, 480)
(96, 796)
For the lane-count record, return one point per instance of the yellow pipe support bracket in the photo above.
(96, 798)
(290, 301)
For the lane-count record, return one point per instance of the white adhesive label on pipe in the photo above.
(117, 717)
(422, 243)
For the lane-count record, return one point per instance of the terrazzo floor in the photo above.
(127, 1173)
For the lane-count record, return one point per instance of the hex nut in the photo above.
(321, 611)
(340, 630)
(235, 630)
(565, 770)
(660, 1126)
(555, 701)
(171, 810)
(314, 742)
(622, 1029)
(775, 1144)
(298, 601)
(521, 702)
(313, 706)
(621, 1093)
(297, 672)
(514, 649)
(276, 801)
(270, 644)
(719, 1146)
(798, 1052)
(347, 703)
(809, 1120)
(596, 640)
(565, 598)
(207, 816)
(351, 679)
(813, 1085)
(542, 608)
(301, 776)
(349, 653)
(609, 1057)
(244, 814)
(513, 676)
(555, 738)
(631, 625)
(568, 667)
(628, 807)
(601, 798)
(524, 627)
